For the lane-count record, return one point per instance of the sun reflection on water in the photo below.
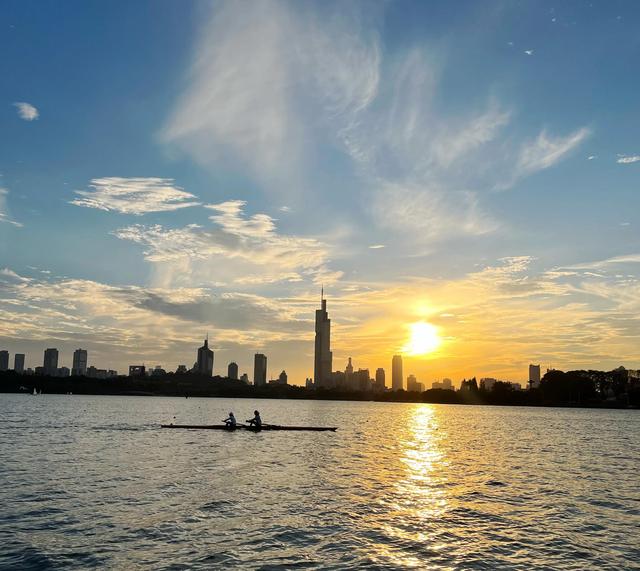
(419, 495)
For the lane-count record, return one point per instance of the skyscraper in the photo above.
(50, 365)
(204, 364)
(396, 373)
(534, 376)
(79, 367)
(260, 370)
(323, 357)
(4, 360)
(18, 363)
(232, 371)
(380, 380)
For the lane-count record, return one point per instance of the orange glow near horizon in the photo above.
(424, 338)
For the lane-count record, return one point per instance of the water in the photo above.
(92, 482)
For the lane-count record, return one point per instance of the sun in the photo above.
(423, 339)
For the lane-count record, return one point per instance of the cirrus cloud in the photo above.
(134, 195)
(26, 111)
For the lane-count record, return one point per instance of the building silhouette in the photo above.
(396, 373)
(18, 363)
(244, 378)
(50, 364)
(322, 356)
(260, 370)
(232, 371)
(445, 384)
(134, 370)
(380, 380)
(534, 376)
(4, 360)
(79, 367)
(204, 364)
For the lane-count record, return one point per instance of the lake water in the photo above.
(93, 482)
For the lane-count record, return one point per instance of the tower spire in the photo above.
(322, 292)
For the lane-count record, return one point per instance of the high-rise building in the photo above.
(79, 367)
(50, 365)
(232, 371)
(349, 368)
(412, 383)
(282, 378)
(380, 379)
(244, 378)
(322, 357)
(534, 376)
(396, 373)
(18, 363)
(204, 364)
(4, 360)
(260, 370)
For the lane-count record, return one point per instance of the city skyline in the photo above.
(461, 182)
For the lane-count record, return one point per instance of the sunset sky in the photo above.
(169, 169)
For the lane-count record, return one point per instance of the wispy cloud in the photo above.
(545, 151)
(627, 159)
(239, 249)
(4, 214)
(134, 195)
(266, 79)
(26, 111)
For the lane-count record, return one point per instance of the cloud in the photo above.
(615, 260)
(26, 111)
(239, 249)
(4, 214)
(7, 273)
(429, 215)
(119, 324)
(545, 151)
(627, 159)
(134, 195)
(266, 80)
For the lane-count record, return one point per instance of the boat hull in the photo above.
(250, 428)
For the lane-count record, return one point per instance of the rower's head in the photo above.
(230, 414)
(256, 413)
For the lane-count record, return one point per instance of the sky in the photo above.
(170, 170)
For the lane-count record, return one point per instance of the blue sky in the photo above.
(173, 168)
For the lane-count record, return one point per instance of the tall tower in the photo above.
(50, 365)
(396, 373)
(79, 367)
(534, 376)
(323, 356)
(204, 365)
(259, 370)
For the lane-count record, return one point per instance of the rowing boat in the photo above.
(251, 428)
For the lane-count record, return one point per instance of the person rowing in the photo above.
(256, 421)
(230, 421)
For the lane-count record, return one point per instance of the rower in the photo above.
(230, 421)
(256, 420)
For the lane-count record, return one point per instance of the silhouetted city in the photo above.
(616, 388)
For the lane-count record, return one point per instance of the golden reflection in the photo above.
(420, 495)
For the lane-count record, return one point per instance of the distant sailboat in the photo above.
(34, 392)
